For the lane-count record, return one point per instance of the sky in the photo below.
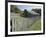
(28, 7)
(22, 7)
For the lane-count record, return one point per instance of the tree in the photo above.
(12, 8)
(25, 13)
(15, 9)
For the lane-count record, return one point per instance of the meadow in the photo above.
(25, 20)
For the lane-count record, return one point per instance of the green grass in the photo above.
(36, 26)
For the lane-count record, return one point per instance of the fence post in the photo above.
(12, 24)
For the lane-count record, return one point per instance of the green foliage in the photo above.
(15, 9)
(25, 12)
(12, 8)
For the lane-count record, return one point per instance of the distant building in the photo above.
(36, 11)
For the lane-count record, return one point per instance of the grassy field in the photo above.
(27, 24)
(35, 26)
(25, 20)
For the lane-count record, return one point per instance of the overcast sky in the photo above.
(28, 7)
(22, 7)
